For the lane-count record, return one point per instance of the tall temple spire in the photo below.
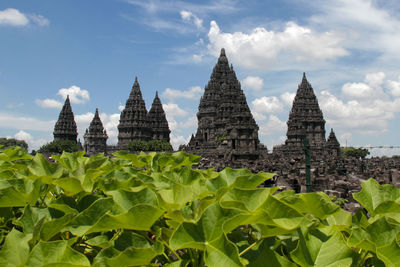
(133, 123)
(158, 121)
(95, 136)
(65, 127)
(225, 116)
(306, 120)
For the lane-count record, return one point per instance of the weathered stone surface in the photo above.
(65, 127)
(226, 127)
(157, 121)
(306, 121)
(95, 136)
(133, 123)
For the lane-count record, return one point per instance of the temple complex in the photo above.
(65, 127)
(95, 136)
(226, 127)
(306, 121)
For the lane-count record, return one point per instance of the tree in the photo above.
(354, 152)
(8, 142)
(138, 145)
(60, 146)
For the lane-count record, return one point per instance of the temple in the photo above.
(306, 121)
(95, 136)
(226, 127)
(133, 123)
(157, 121)
(65, 127)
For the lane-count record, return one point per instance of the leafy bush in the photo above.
(138, 145)
(159, 145)
(8, 142)
(354, 152)
(59, 147)
(155, 209)
(153, 145)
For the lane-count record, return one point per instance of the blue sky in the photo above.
(92, 50)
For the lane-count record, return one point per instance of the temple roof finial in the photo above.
(156, 94)
(222, 52)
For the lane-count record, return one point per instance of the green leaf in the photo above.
(41, 167)
(131, 256)
(373, 195)
(208, 228)
(139, 217)
(55, 252)
(389, 254)
(317, 250)
(18, 192)
(318, 204)
(265, 255)
(221, 252)
(15, 249)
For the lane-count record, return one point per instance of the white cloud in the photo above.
(375, 80)
(394, 87)
(288, 98)
(173, 110)
(40, 20)
(260, 48)
(194, 92)
(364, 117)
(48, 103)
(190, 17)
(357, 90)
(33, 144)
(267, 104)
(272, 126)
(76, 94)
(254, 83)
(25, 123)
(110, 123)
(14, 17)
(177, 140)
(258, 116)
(197, 58)
(367, 24)
(121, 107)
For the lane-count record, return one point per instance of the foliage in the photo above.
(8, 142)
(155, 209)
(138, 145)
(159, 145)
(354, 152)
(60, 146)
(153, 145)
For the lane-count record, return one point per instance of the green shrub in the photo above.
(8, 142)
(59, 147)
(354, 152)
(153, 145)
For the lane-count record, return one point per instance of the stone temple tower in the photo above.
(95, 136)
(133, 123)
(333, 145)
(65, 128)
(226, 127)
(306, 121)
(157, 121)
(305, 118)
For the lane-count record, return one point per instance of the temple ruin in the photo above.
(65, 127)
(226, 127)
(135, 124)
